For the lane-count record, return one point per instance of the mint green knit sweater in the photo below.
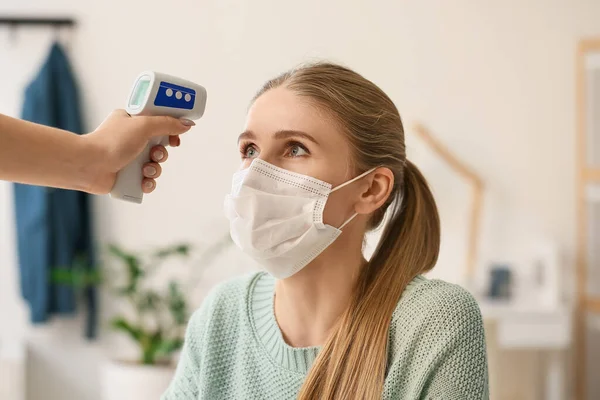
(234, 348)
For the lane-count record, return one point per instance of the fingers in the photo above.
(148, 185)
(152, 170)
(163, 125)
(174, 141)
(159, 154)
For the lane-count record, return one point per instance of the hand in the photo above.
(121, 138)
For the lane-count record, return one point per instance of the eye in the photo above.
(249, 150)
(297, 150)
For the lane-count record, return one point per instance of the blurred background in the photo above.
(501, 105)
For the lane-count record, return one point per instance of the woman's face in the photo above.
(285, 130)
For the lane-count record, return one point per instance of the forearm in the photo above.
(40, 155)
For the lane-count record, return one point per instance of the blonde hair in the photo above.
(352, 363)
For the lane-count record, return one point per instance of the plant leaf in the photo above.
(168, 346)
(149, 301)
(180, 249)
(61, 276)
(136, 333)
(78, 278)
(117, 251)
(134, 270)
(150, 346)
(177, 303)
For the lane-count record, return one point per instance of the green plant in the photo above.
(158, 313)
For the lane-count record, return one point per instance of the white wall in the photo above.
(494, 80)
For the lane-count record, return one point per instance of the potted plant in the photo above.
(153, 315)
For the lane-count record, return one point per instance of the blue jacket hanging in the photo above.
(54, 225)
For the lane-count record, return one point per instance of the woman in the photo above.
(41, 155)
(323, 322)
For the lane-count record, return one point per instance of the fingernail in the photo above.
(158, 155)
(187, 122)
(150, 170)
(149, 184)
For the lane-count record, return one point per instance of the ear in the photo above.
(380, 185)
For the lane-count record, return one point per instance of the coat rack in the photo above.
(14, 21)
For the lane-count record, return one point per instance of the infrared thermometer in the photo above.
(154, 93)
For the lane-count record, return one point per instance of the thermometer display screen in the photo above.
(140, 92)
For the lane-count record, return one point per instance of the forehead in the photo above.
(282, 109)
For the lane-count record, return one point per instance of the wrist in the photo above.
(90, 159)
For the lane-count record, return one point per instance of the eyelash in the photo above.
(291, 144)
(244, 147)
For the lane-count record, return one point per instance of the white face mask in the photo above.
(276, 217)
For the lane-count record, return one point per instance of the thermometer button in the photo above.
(187, 97)
(169, 92)
(178, 95)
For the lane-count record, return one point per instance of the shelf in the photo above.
(529, 325)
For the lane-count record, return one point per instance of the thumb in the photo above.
(163, 125)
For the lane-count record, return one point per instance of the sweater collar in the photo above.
(267, 332)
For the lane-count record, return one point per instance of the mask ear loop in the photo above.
(346, 184)
(354, 179)
(348, 221)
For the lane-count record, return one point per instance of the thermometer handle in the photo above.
(128, 185)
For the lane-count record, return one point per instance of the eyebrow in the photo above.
(282, 134)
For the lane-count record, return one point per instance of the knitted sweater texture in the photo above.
(234, 348)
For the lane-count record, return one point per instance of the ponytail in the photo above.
(352, 363)
(411, 240)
